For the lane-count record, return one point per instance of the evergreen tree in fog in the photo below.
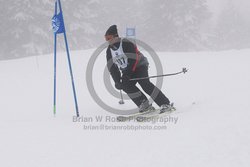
(167, 25)
(232, 29)
(175, 24)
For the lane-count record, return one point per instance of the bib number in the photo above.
(121, 61)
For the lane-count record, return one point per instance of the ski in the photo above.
(157, 113)
(134, 116)
(139, 117)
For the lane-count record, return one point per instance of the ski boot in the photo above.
(145, 107)
(167, 108)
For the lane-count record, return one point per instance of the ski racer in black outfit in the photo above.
(123, 55)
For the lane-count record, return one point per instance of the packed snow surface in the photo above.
(212, 128)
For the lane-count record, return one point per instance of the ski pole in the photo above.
(184, 70)
(121, 101)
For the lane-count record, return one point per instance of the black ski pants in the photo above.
(137, 95)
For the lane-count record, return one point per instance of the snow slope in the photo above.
(212, 130)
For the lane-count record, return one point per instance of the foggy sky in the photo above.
(242, 5)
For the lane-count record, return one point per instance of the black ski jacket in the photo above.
(135, 59)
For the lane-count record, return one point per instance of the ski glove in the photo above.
(118, 85)
(125, 79)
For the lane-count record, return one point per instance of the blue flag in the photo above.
(58, 24)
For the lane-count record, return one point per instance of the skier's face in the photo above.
(109, 38)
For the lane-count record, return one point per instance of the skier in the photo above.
(123, 55)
